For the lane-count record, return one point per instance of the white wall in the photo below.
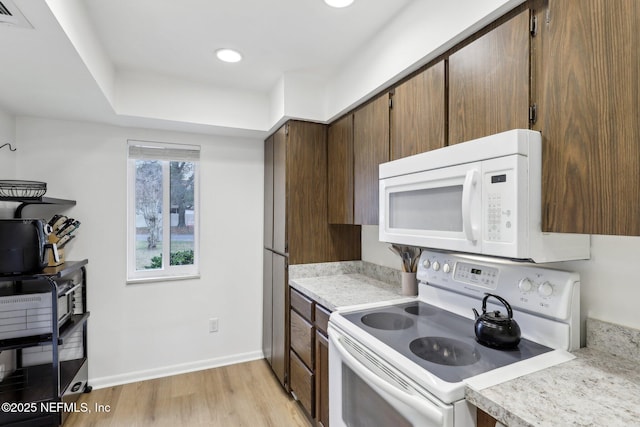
(7, 134)
(147, 330)
(7, 171)
(71, 14)
(137, 95)
(610, 290)
(8, 158)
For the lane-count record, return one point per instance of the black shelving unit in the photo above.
(26, 201)
(42, 387)
(45, 391)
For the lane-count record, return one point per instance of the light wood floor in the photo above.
(245, 394)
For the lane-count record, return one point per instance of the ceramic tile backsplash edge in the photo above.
(614, 339)
(375, 271)
(380, 272)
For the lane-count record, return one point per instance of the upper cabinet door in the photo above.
(489, 82)
(370, 148)
(268, 193)
(418, 113)
(280, 190)
(589, 117)
(307, 192)
(340, 171)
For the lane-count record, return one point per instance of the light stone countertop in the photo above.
(597, 388)
(342, 290)
(337, 285)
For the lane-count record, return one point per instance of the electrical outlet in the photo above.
(213, 324)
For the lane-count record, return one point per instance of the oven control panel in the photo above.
(474, 274)
(526, 286)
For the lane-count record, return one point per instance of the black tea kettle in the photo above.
(495, 330)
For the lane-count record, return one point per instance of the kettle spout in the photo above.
(475, 312)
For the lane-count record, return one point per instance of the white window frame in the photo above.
(164, 152)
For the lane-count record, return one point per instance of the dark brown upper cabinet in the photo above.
(279, 192)
(298, 152)
(588, 115)
(340, 176)
(489, 82)
(567, 68)
(370, 148)
(418, 113)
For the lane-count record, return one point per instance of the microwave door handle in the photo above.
(470, 182)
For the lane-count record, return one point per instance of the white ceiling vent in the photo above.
(11, 15)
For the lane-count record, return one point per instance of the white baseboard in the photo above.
(166, 371)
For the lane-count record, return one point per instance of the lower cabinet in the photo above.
(302, 354)
(301, 382)
(484, 420)
(322, 367)
(309, 357)
(302, 338)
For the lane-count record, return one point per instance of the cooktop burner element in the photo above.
(444, 351)
(421, 310)
(387, 321)
(393, 326)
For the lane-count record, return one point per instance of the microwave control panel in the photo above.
(499, 188)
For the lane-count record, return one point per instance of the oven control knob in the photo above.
(426, 263)
(446, 268)
(525, 285)
(435, 266)
(545, 289)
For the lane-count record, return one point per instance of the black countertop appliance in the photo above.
(22, 245)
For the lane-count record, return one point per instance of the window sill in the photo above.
(162, 279)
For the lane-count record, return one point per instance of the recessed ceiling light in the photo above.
(228, 55)
(338, 3)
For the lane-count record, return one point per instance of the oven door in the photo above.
(438, 208)
(365, 391)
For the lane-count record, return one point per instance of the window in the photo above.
(162, 211)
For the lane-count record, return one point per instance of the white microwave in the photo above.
(482, 196)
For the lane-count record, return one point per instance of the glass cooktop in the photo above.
(439, 341)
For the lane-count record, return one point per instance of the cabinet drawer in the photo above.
(322, 319)
(302, 383)
(302, 304)
(302, 338)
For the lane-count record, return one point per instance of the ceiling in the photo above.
(179, 38)
(151, 63)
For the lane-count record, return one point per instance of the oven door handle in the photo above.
(428, 410)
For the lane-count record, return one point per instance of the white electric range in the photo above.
(407, 364)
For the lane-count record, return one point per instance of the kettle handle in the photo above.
(499, 298)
